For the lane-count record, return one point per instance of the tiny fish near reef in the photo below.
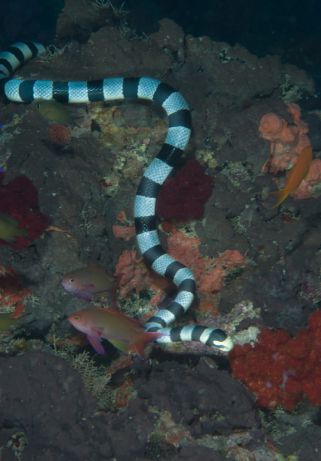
(88, 281)
(54, 112)
(296, 176)
(169, 157)
(125, 333)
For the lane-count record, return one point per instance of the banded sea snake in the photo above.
(178, 134)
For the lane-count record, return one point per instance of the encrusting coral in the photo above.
(134, 275)
(209, 272)
(125, 230)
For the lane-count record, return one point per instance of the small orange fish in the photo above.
(125, 333)
(296, 176)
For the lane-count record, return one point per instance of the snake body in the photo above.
(178, 134)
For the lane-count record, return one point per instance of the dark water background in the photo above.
(288, 28)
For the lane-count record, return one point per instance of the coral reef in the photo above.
(12, 296)
(130, 131)
(183, 196)
(19, 200)
(95, 378)
(209, 272)
(125, 229)
(311, 184)
(133, 274)
(280, 369)
(124, 232)
(287, 140)
(229, 90)
(59, 134)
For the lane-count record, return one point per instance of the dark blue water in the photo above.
(288, 28)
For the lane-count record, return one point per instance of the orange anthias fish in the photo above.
(125, 333)
(296, 176)
(88, 281)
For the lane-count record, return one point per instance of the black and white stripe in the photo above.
(178, 134)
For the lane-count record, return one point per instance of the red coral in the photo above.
(281, 370)
(184, 195)
(19, 200)
(12, 294)
(59, 134)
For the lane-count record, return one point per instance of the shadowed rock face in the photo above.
(43, 398)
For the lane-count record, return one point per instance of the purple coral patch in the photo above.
(184, 195)
(19, 200)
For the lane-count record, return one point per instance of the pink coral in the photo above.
(209, 272)
(184, 195)
(133, 274)
(213, 278)
(287, 140)
(123, 232)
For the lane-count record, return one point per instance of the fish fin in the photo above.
(94, 265)
(89, 286)
(85, 292)
(121, 345)
(83, 295)
(138, 347)
(8, 239)
(280, 195)
(96, 344)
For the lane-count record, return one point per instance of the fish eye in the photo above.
(76, 317)
(71, 280)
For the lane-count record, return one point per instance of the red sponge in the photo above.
(19, 200)
(184, 195)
